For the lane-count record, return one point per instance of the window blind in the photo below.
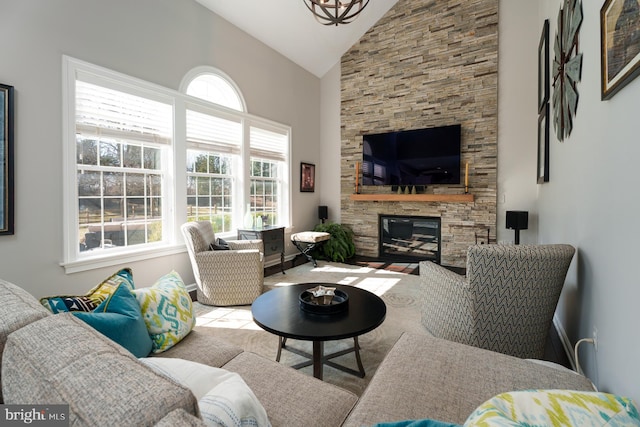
(101, 111)
(212, 133)
(268, 144)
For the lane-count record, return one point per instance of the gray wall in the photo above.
(155, 40)
(592, 202)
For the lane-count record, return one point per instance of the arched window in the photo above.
(234, 159)
(213, 85)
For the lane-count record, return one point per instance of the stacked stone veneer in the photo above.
(426, 63)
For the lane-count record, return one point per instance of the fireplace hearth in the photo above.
(409, 238)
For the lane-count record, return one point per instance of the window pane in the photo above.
(135, 184)
(154, 185)
(152, 158)
(216, 89)
(203, 185)
(135, 208)
(191, 185)
(112, 183)
(113, 209)
(86, 151)
(201, 163)
(90, 211)
(88, 183)
(109, 153)
(132, 156)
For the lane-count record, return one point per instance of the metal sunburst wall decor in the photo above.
(567, 67)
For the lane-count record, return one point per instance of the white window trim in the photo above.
(175, 199)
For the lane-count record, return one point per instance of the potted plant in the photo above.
(340, 245)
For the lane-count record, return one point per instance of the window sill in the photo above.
(109, 260)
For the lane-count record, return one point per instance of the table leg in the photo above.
(281, 343)
(318, 352)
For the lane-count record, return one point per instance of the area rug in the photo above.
(400, 292)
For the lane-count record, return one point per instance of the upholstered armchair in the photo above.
(224, 277)
(506, 301)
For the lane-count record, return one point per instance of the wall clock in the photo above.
(567, 67)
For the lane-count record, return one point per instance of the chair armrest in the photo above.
(246, 244)
(446, 303)
(232, 255)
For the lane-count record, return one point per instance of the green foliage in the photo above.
(340, 245)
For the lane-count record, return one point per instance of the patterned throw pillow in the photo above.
(167, 311)
(91, 300)
(119, 318)
(555, 408)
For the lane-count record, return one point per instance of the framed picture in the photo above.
(543, 145)
(620, 44)
(307, 177)
(543, 67)
(6, 159)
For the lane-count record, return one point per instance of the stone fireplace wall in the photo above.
(424, 64)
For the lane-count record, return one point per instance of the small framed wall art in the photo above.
(620, 44)
(6, 160)
(543, 145)
(543, 67)
(307, 177)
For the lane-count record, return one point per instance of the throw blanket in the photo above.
(224, 398)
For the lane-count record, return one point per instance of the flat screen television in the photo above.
(412, 157)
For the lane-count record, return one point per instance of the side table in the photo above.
(272, 240)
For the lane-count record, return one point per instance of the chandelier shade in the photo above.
(335, 12)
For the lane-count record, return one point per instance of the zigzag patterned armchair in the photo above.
(224, 277)
(506, 301)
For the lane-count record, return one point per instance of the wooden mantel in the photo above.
(391, 197)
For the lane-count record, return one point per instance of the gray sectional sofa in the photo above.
(51, 359)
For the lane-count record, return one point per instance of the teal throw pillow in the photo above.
(119, 318)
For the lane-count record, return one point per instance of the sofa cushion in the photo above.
(223, 397)
(449, 382)
(92, 299)
(179, 417)
(167, 311)
(19, 308)
(203, 345)
(547, 407)
(101, 381)
(119, 318)
(291, 397)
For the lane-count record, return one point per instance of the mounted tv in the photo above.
(412, 157)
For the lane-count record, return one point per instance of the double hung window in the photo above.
(126, 142)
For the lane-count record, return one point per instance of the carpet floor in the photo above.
(400, 292)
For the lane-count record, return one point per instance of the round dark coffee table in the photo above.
(278, 311)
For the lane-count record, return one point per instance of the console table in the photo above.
(272, 240)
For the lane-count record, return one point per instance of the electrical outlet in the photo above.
(595, 338)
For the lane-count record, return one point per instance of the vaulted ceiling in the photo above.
(288, 27)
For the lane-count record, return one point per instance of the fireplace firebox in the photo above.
(409, 238)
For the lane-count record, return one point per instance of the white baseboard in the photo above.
(566, 342)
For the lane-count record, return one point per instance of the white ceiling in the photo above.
(288, 27)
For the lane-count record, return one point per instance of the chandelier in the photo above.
(334, 12)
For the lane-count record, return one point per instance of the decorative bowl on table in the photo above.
(323, 300)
